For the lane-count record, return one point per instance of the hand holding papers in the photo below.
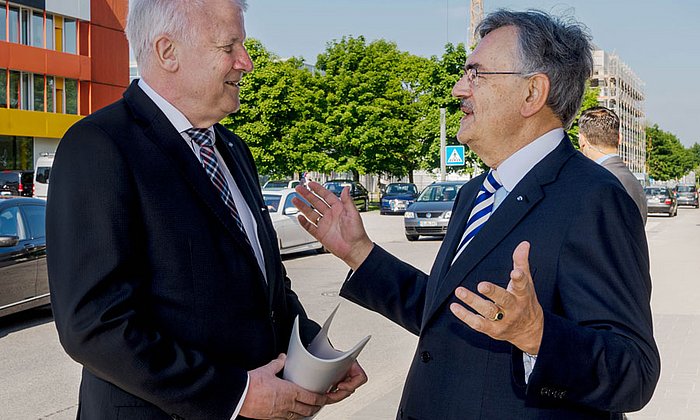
(319, 367)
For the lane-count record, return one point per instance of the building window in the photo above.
(16, 153)
(50, 93)
(14, 89)
(13, 22)
(3, 22)
(24, 26)
(24, 102)
(37, 29)
(38, 88)
(70, 36)
(71, 92)
(3, 88)
(50, 33)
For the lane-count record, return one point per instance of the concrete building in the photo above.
(623, 92)
(59, 61)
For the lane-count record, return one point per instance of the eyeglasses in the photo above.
(473, 74)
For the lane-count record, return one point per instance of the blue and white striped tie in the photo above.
(205, 140)
(483, 207)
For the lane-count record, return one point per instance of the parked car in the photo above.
(431, 212)
(358, 192)
(18, 183)
(397, 196)
(686, 195)
(661, 200)
(291, 237)
(24, 282)
(41, 175)
(278, 184)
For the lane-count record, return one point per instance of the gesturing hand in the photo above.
(513, 314)
(335, 222)
(270, 397)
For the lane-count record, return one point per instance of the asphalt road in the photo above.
(38, 381)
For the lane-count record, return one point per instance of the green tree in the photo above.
(282, 105)
(590, 99)
(666, 157)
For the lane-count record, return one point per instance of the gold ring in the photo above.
(290, 416)
(499, 315)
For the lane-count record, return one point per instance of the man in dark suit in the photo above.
(537, 306)
(166, 283)
(599, 137)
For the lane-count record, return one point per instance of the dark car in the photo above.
(431, 212)
(24, 281)
(686, 195)
(397, 197)
(20, 183)
(661, 200)
(359, 193)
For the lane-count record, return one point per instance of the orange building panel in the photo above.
(103, 95)
(109, 13)
(110, 57)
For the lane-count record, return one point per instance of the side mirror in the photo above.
(291, 211)
(8, 241)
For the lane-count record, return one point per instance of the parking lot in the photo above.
(40, 381)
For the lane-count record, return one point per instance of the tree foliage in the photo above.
(590, 99)
(666, 157)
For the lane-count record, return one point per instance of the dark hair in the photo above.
(600, 126)
(559, 48)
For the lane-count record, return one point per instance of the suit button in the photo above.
(545, 392)
(425, 357)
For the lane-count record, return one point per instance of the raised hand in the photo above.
(335, 222)
(513, 314)
(270, 397)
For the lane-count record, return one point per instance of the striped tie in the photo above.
(205, 139)
(483, 207)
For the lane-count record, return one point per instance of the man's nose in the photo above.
(462, 88)
(244, 62)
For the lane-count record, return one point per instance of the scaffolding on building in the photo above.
(623, 92)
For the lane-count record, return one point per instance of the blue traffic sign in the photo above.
(454, 155)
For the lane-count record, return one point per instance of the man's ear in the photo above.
(166, 54)
(537, 94)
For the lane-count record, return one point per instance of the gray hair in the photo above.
(149, 19)
(559, 48)
(600, 126)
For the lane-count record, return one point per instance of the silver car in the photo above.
(291, 237)
(431, 212)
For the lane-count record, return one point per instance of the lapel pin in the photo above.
(230, 144)
(520, 198)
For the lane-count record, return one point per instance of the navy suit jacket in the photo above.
(590, 265)
(154, 289)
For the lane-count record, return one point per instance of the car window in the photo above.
(35, 218)
(272, 201)
(42, 174)
(401, 189)
(11, 223)
(654, 191)
(288, 201)
(27, 177)
(685, 188)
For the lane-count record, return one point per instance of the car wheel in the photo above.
(412, 238)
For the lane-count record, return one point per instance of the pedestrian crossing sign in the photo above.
(455, 155)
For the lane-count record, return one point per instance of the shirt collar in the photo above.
(176, 118)
(513, 169)
(602, 159)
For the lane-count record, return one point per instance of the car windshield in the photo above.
(655, 191)
(685, 188)
(401, 189)
(446, 192)
(272, 202)
(336, 187)
(272, 185)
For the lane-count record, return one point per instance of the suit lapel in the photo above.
(519, 202)
(160, 131)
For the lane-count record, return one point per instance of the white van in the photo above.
(41, 175)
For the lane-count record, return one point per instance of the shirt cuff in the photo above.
(529, 361)
(240, 403)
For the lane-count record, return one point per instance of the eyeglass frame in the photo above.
(468, 71)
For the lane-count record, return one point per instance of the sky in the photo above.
(658, 39)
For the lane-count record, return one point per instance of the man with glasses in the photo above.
(537, 305)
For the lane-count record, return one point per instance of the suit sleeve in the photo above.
(99, 286)
(602, 329)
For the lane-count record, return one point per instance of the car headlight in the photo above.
(409, 215)
(448, 214)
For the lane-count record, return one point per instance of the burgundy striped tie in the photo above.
(205, 139)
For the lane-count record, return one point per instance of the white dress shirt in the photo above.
(182, 124)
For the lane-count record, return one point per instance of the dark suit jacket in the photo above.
(590, 266)
(153, 287)
(618, 168)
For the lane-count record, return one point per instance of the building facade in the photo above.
(59, 61)
(623, 92)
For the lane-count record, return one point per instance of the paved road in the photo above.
(40, 382)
